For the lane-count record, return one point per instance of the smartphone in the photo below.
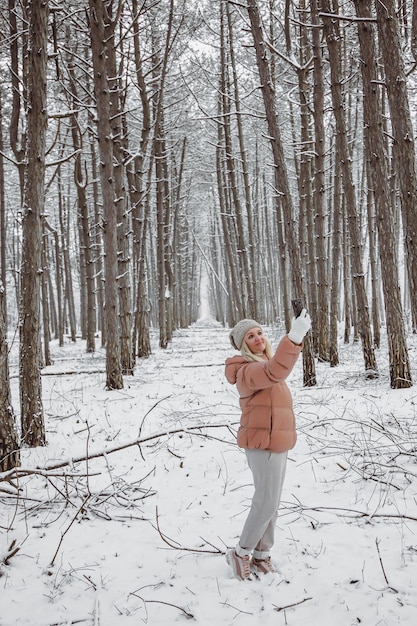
(297, 306)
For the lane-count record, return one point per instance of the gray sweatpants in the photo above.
(268, 469)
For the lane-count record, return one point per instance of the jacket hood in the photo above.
(233, 365)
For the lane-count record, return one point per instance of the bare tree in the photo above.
(402, 134)
(33, 428)
(333, 40)
(2, 210)
(99, 41)
(281, 176)
(139, 199)
(115, 73)
(80, 178)
(319, 195)
(9, 444)
(376, 153)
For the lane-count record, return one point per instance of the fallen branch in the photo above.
(130, 444)
(176, 546)
(383, 568)
(19, 472)
(355, 513)
(80, 509)
(290, 606)
(174, 606)
(12, 550)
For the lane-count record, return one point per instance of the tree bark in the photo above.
(33, 428)
(123, 222)
(80, 179)
(281, 177)
(9, 443)
(400, 373)
(403, 136)
(333, 40)
(99, 38)
(322, 321)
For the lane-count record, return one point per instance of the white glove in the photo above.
(299, 327)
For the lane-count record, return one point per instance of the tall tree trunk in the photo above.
(235, 304)
(139, 200)
(33, 428)
(64, 227)
(97, 244)
(335, 261)
(403, 136)
(322, 321)
(372, 239)
(80, 179)
(58, 284)
(400, 373)
(231, 176)
(18, 137)
(251, 246)
(2, 214)
(99, 41)
(45, 300)
(281, 177)
(159, 69)
(161, 210)
(9, 443)
(123, 221)
(333, 40)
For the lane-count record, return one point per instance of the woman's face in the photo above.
(255, 340)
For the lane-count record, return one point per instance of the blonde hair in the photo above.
(250, 356)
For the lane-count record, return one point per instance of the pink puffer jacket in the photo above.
(267, 421)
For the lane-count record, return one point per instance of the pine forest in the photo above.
(161, 160)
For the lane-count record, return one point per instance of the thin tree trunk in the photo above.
(9, 442)
(372, 238)
(400, 373)
(2, 215)
(140, 203)
(98, 245)
(45, 300)
(80, 179)
(58, 283)
(99, 40)
(252, 283)
(335, 257)
(65, 245)
(18, 137)
(403, 137)
(281, 177)
(123, 222)
(332, 34)
(322, 312)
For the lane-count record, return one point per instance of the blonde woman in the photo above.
(266, 432)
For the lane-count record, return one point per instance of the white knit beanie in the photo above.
(239, 331)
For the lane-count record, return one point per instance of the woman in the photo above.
(266, 432)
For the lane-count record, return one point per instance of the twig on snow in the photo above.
(355, 512)
(96, 613)
(74, 621)
(176, 546)
(383, 568)
(67, 529)
(175, 606)
(290, 606)
(12, 550)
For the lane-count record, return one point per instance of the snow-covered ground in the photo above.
(138, 535)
